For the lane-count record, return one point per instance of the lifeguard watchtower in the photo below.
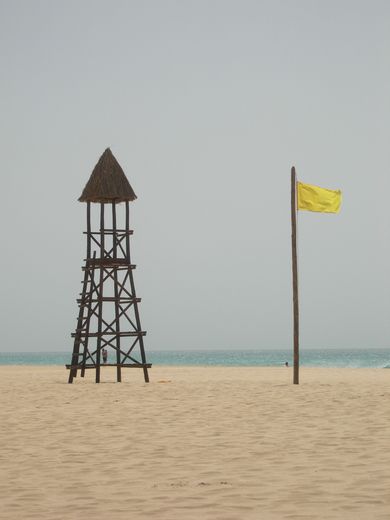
(108, 331)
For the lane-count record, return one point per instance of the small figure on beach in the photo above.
(104, 353)
(286, 364)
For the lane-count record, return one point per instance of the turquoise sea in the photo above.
(369, 358)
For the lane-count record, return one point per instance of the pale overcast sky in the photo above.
(206, 104)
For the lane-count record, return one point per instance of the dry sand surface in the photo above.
(195, 443)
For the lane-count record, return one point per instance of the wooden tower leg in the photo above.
(116, 296)
(80, 319)
(135, 304)
(91, 272)
(90, 275)
(100, 293)
(77, 339)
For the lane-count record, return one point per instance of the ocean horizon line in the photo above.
(214, 349)
(335, 358)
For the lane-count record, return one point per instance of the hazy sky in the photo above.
(206, 104)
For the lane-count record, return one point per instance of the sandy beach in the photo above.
(210, 443)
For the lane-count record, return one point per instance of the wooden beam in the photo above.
(124, 365)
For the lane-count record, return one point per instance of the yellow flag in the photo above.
(313, 198)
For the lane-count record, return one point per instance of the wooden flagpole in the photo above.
(295, 274)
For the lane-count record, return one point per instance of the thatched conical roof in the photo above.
(108, 182)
